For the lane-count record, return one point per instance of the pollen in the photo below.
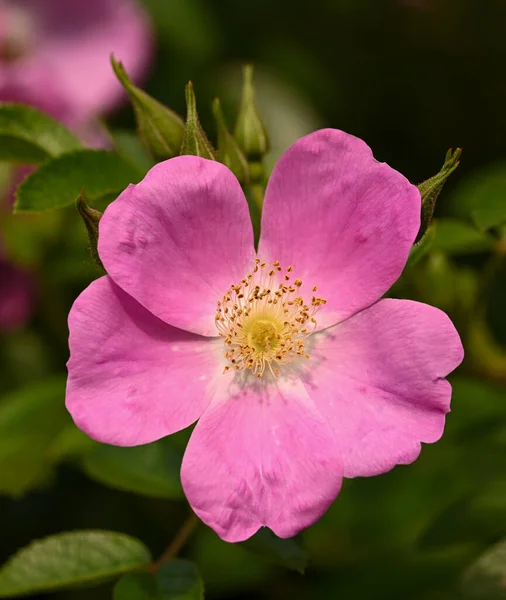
(264, 320)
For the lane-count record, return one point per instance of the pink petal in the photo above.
(343, 220)
(178, 240)
(132, 378)
(261, 455)
(379, 380)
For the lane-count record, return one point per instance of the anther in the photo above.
(264, 325)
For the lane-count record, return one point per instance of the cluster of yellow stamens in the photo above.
(264, 320)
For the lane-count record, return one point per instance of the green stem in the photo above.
(180, 539)
(255, 196)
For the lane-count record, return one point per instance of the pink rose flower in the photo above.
(298, 373)
(54, 54)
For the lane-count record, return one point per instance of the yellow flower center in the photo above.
(264, 320)
(262, 334)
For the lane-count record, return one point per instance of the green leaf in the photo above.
(160, 128)
(16, 150)
(150, 470)
(70, 443)
(481, 197)
(175, 580)
(128, 145)
(30, 136)
(486, 578)
(69, 559)
(284, 552)
(30, 418)
(137, 586)
(59, 182)
(431, 188)
(456, 236)
(180, 580)
(229, 568)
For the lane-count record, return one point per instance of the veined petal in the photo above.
(343, 220)
(379, 380)
(132, 378)
(261, 455)
(177, 240)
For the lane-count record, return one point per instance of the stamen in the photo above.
(264, 321)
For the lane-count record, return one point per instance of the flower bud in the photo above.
(431, 188)
(195, 141)
(229, 152)
(160, 128)
(250, 132)
(91, 219)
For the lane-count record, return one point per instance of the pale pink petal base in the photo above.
(261, 456)
(178, 240)
(379, 380)
(343, 220)
(132, 378)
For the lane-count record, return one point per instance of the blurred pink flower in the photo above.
(54, 54)
(16, 296)
(299, 373)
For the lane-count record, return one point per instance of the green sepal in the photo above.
(229, 152)
(160, 128)
(91, 219)
(195, 141)
(431, 188)
(250, 132)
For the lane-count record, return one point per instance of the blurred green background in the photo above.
(412, 78)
